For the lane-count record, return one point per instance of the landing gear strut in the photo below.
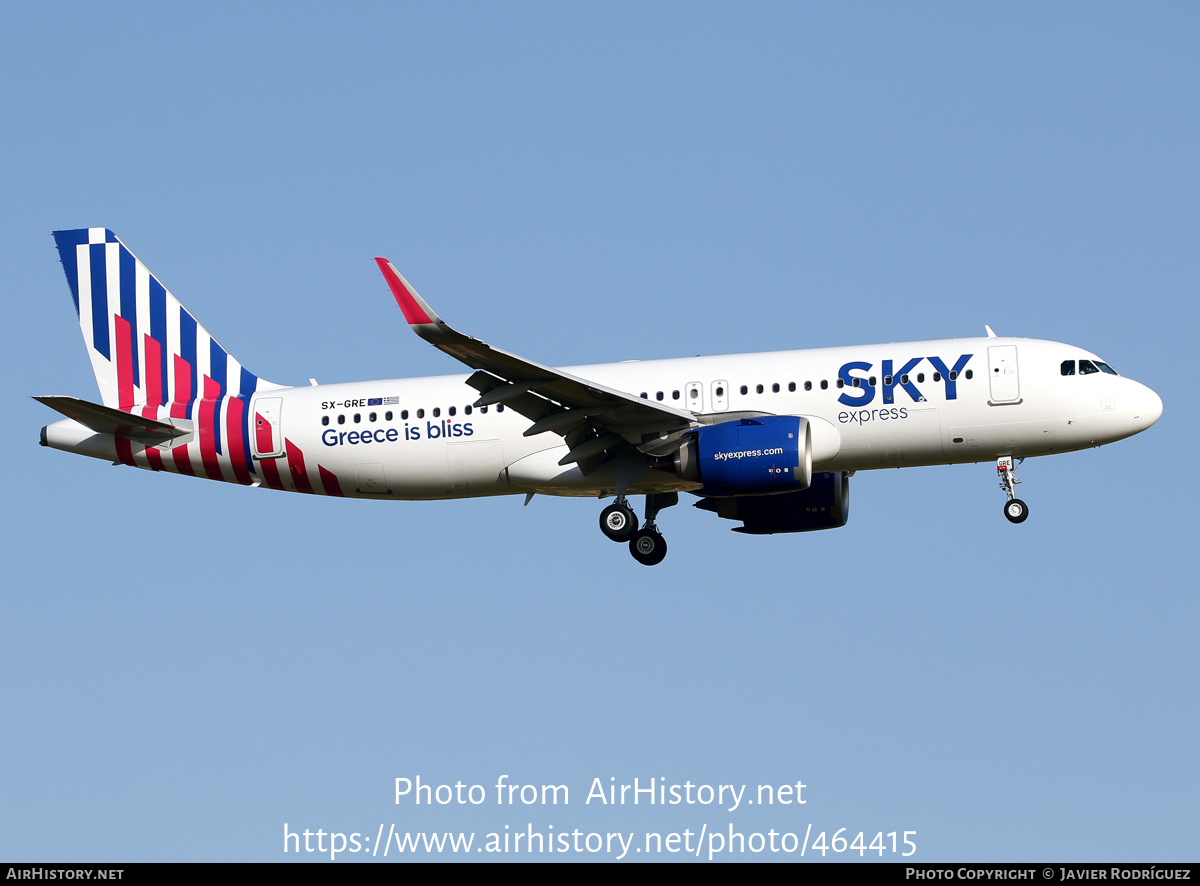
(1014, 509)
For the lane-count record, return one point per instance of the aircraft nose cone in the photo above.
(1147, 408)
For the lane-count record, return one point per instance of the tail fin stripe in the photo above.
(125, 398)
(158, 331)
(249, 382)
(154, 385)
(181, 406)
(127, 294)
(187, 350)
(218, 365)
(68, 243)
(99, 300)
(112, 294)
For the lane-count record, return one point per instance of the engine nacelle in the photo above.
(825, 504)
(753, 456)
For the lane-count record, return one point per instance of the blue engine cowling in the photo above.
(753, 456)
(825, 504)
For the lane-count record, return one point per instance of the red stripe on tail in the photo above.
(152, 375)
(124, 363)
(183, 388)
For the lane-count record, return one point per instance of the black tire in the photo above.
(648, 547)
(618, 522)
(1016, 511)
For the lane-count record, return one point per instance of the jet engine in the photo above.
(751, 456)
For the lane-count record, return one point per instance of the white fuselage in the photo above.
(424, 440)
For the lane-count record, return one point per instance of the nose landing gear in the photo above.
(1015, 510)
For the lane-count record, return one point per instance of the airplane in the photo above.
(766, 440)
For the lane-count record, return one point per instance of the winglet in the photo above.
(416, 311)
(989, 331)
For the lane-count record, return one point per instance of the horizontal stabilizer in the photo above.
(105, 420)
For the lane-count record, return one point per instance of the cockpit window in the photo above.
(1104, 367)
(1068, 367)
(1087, 367)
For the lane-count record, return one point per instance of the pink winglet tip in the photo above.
(413, 312)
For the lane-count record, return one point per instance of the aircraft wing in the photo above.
(594, 419)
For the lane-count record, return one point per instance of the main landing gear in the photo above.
(619, 523)
(1014, 509)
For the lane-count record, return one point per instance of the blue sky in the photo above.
(187, 665)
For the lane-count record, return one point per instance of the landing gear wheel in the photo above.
(648, 547)
(618, 521)
(1016, 511)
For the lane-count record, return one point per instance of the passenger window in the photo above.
(1087, 367)
(791, 386)
(674, 395)
(871, 381)
(887, 381)
(694, 394)
(720, 392)
(658, 395)
(483, 409)
(437, 411)
(758, 389)
(324, 419)
(467, 410)
(953, 375)
(451, 410)
(420, 413)
(1068, 367)
(970, 373)
(937, 376)
(499, 407)
(808, 386)
(404, 415)
(745, 390)
(387, 416)
(644, 397)
(341, 419)
(775, 388)
(357, 418)
(371, 417)
(920, 377)
(825, 385)
(904, 379)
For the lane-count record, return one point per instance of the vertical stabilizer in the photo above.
(146, 349)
